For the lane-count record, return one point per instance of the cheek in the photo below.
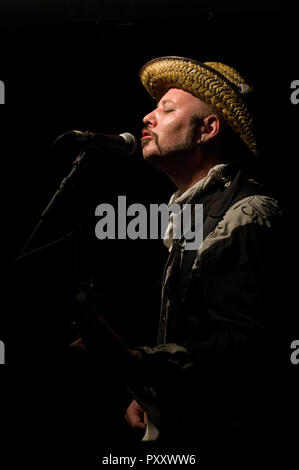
(172, 131)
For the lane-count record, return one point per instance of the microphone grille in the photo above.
(131, 142)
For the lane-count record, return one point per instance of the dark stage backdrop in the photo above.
(81, 72)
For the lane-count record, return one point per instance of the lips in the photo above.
(146, 135)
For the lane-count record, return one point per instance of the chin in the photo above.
(149, 154)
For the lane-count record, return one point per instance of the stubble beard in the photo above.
(168, 155)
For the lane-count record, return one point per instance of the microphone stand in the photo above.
(5, 283)
(64, 183)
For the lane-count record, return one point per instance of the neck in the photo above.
(184, 178)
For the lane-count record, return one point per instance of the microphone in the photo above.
(125, 143)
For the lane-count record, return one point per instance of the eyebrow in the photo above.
(165, 101)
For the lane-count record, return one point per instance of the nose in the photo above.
(150, 119)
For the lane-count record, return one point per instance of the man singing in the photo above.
(209, 380)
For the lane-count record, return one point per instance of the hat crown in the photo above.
(231, 75)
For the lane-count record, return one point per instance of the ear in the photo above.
(210, 128)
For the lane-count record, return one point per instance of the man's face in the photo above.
(171, 129)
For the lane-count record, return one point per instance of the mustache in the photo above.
(145, 129)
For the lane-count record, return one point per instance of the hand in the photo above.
(136, 416)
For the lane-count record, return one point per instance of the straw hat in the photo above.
(217, 84)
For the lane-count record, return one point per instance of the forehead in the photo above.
(181, 97)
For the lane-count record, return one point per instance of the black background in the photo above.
(71, 72)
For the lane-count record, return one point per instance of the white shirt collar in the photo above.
(216, 173)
